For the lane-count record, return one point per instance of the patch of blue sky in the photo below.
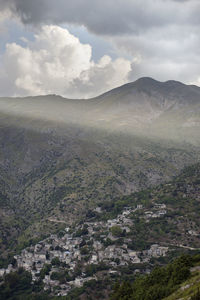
(99, 45)
(14, 32)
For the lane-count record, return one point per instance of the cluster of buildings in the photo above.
(95, 245)
(158, 211)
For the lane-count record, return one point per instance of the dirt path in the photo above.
(56, 221)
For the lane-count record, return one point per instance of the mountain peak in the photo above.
(174, 83)
(146, 80)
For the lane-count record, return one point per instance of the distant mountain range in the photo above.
(147, 107)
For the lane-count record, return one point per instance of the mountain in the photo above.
(60, 157)
(169, 110)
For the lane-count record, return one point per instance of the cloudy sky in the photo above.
(82, 48)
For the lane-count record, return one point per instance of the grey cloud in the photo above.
(162, 36)
(164, 54)
(105, 17)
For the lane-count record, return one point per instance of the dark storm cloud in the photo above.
(158, 38)
(105, 17)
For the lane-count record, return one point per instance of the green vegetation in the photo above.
(93, 268)
(17, 286)
(45, 271)
(60, 186)
(196, 296)
(162, 282)
(171, 282)
(116, 231)
(54, 175)
(55, 261)
(181, 198)
(92, 289)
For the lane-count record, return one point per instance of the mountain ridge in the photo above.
(145, 107)
(140, 82)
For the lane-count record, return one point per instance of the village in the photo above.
(68, 259)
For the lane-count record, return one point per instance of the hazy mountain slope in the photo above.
(153, 108)
(147, 107)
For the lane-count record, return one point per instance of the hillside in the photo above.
(119, 240)
(59, 156)
(62, 161)
(44, 175)
(170, 109)
(188, 289)
(147, 107)
(178, 280)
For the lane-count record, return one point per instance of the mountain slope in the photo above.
(177, 280)
(189, 289)
(177, 229)
(58, 157)
(169, 110)
(44, 175)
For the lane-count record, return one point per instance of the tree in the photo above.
(55, 261)
(45, 271)
(116, 231)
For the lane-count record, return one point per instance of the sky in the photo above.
(83, 48)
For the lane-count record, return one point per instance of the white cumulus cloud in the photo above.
(57, 62)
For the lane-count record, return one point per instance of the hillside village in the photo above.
(74, 256)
